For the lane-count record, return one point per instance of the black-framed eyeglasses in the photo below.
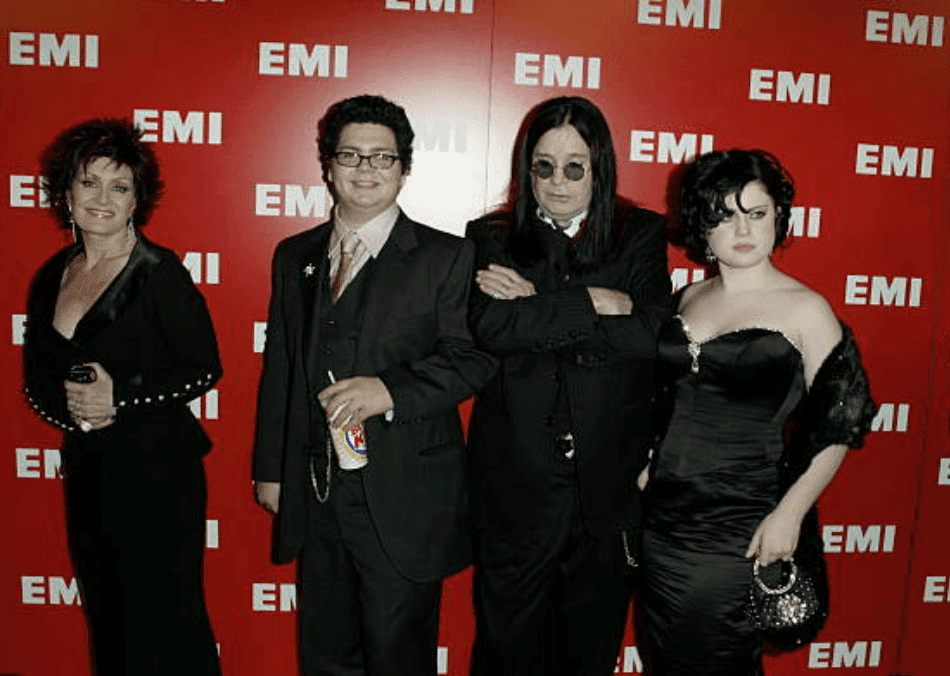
(573, 171)
(349, 158)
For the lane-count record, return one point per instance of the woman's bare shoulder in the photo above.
(694, 290)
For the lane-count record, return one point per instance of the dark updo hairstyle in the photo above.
(365, 109)
(115, 139)
(711, 177)
(597, 240)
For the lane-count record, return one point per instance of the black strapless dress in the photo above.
(714, 478)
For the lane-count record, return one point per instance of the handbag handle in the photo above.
(778, 590)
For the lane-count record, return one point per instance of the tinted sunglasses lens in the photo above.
(573, 171)
(542, 169)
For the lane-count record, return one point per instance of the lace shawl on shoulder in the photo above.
(837, 410)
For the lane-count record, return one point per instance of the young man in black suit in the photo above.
(376, 302)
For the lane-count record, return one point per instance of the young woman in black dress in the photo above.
(743, 349)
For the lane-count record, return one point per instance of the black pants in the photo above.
(137, 537)
(359, 615)
(551, 602)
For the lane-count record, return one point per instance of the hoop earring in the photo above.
(710, 256)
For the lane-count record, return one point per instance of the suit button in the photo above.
(328, 351)
(580, 360)
(549, 420)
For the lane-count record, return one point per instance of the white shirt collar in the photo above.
(373, 234)
(571, 229)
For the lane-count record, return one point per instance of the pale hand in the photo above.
(267, 494)
(90, 404)
(350, 401)
(503, 283)
(775, 539)
(609, 301)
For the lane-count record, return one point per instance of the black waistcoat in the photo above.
(340, 324)
(337, 342)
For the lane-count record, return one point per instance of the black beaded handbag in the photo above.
(788, 601)
(789, 605)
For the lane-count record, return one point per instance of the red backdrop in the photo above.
(851, 95)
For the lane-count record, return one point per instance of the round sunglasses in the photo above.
(543, 169)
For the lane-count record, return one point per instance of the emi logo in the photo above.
(46, 49)
(465, 6)
(26, 192)
(578, 72)
(789, 87)
(302, 60)
(680, 277)
(844, 655)
(205, 407)
(440, 135)
(212, 537)
(922, 30)
(692, 13)
(52, 590)
(858, 540)
(943, 475)
(884, 291)
(270, 597)
(272, 199)
(935, 589)
(197, 127)
(663, 147)
(35, 463)
(19, 329)
(894, 161)
(885, 419)
(629, 661)
(799, 226)
(260, 337)
(204, 268)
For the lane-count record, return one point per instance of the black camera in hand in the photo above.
(81, 373)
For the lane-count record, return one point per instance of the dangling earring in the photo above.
(710, 256)
(72, 222)
(129, 232)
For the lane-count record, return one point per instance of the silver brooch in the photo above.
(694, 349)
(309, 270)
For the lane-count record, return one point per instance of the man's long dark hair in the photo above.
(597, 239)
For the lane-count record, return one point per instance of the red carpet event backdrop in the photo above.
(852, 95)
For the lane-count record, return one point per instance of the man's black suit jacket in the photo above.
(415, 337)
(606, 362)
